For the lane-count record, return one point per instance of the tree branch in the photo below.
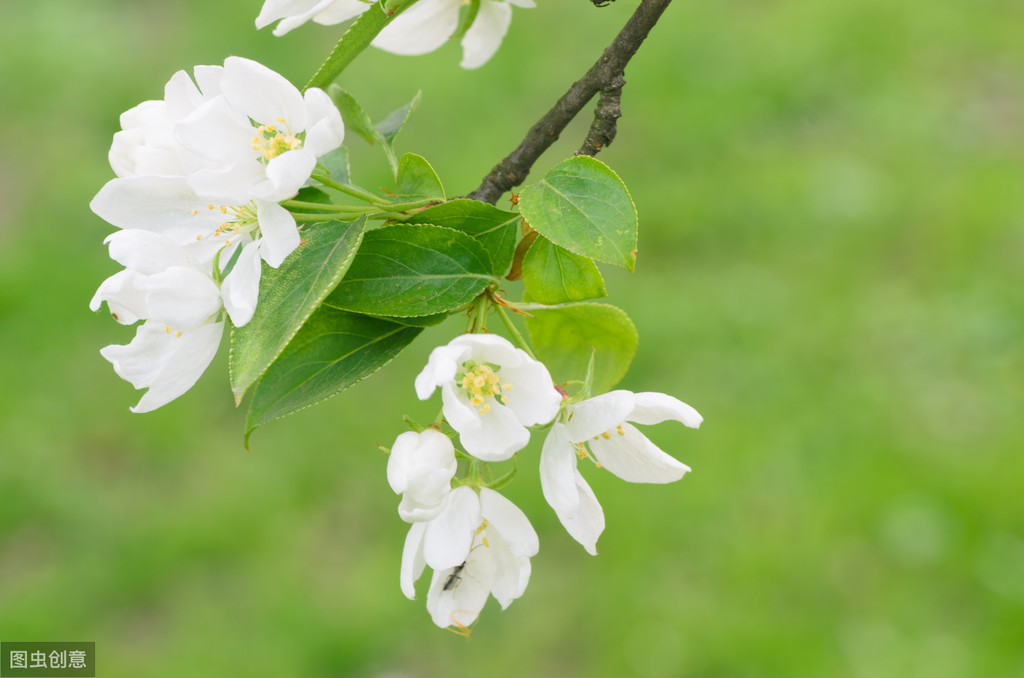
(606, 117)
(609, 68)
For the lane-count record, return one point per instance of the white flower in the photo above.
(197, 168)
(600, 423)
(422, 28)
(168, 206)
(181, 305)
(491, 391)
(420, 468)
(261, 137)
(294, 13)
(479, 546)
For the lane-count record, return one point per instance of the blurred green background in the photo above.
(831, 198)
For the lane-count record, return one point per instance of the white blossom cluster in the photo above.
(422, 28)
(200, 178)
(476, 542)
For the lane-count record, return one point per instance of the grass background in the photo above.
(831, 199)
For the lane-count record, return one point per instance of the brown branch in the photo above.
(513, 170)
(606, 117)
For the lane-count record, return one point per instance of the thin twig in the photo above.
(513, 170)
(606, 117)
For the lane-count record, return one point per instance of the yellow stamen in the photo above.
(480, 383)
(620, 431)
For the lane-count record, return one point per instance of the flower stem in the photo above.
(333, 216)
(327, 207)
(514, 331)
(481, 315)
(356, 39)
(349, 190)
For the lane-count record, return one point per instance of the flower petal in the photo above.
(412, 559)
(164, 205)
(450, 535)
(484, 37)
(216, 131)
(508, 520)
(263, 95)
(491, 348)
(422, 28)
(125, 295)
(557, 466)
(420, 467)
(299, 11)
(511, 573)
(599, 414)
(460, 603)
(241, 288)
(533, 397)
(441, 367)
(586, 522)
(653, 408)
(147, 252)
(230, 184)
(341, 10)
(280, 236)
(326, 129)
(634, 458)
(285, 175)
(567, 492)
(166, 363)
(182, 298)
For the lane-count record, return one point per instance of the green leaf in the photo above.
(390, 126)
(336, 164)
(563, 338)
(418, 321)
(289, 295)
(554, 275)
(352, 114)
(410, 271)
(332, 351)
(417, 179)
(583, 206)
(493, 228)
(357, 120)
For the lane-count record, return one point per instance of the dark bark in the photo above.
(606, 117)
